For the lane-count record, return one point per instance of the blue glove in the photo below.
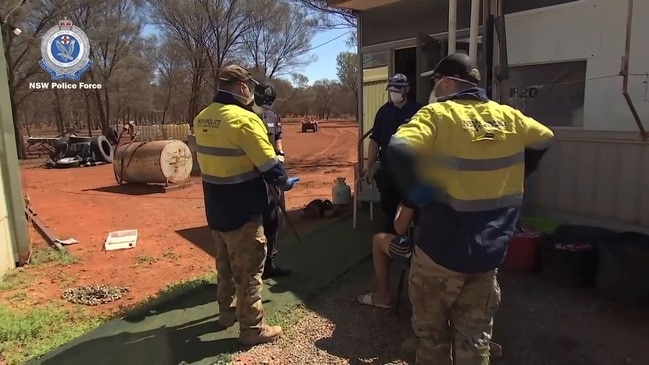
(289, 183)
(421, 195)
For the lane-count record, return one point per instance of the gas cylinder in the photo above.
(341, 193)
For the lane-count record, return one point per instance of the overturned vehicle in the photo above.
(75, 151)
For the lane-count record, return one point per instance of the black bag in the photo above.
(569, 257)
(624, 268)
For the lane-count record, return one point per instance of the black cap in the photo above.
(457, 65)
(264, 93)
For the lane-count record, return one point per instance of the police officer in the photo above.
(389, 117)
(264, 97)
(462, 160)
(237, 161)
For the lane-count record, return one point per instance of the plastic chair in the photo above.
(364, 192)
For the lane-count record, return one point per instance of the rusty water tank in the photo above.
(153, 162)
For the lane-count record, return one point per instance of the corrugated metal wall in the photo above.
(375, 81)
(7, 259)
(600, 175)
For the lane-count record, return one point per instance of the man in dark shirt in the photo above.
(397, 111)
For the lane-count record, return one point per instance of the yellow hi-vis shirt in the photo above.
(232, 144)
(473, 151)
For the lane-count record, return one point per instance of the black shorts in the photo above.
(400, 250)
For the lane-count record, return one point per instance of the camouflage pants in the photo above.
(451, 311)
(240, 257)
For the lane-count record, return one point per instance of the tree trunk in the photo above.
(58, 114)
(88, 115)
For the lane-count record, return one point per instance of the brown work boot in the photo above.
(227, 318)
(266, 333)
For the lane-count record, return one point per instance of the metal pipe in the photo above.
(473, 29)
(625, 73)
(452, 26)
(359, 90)
(488, 47)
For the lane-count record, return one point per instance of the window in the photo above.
(551, 93)
(378, 59)
(515, 6)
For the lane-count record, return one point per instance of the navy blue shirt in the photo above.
(388, 119)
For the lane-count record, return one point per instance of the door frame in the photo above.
(426, 54)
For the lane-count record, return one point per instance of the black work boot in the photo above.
(272, 271)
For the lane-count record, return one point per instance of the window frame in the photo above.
(506, 88)
(562, 3)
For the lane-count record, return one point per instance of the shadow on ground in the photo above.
(130, 189)
(538, 323)
(145, 339)
(363, 332)
(184, 328)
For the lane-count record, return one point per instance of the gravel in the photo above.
(334, 329)
(537, 323)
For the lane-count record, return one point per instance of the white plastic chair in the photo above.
(364, 192)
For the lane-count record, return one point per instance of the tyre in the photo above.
(303, 129)
(102, 149)
(112, 136)
(76, 139)
(68, 162)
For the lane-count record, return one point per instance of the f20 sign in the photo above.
(524, 92)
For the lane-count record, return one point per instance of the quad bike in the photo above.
(309, 124)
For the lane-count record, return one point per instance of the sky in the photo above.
(325, 66)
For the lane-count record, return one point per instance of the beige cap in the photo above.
(234, 73)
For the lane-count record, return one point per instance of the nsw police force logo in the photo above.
(66, 52)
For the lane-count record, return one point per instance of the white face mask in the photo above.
(250, 98)
(433, 94)
(243, 99)
(396, 97)
(432, 98)
(257, 109)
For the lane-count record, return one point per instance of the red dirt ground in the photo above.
(85, 204)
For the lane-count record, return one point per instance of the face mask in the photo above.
(432, 98)
(396, 97)
(250, 98)
(434, 92)
(438, 97)
(245, 100)
(257, 109)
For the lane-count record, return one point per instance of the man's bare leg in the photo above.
(381, 258)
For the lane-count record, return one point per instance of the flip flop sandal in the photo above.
(368, 299)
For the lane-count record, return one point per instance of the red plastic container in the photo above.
(523, 252)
